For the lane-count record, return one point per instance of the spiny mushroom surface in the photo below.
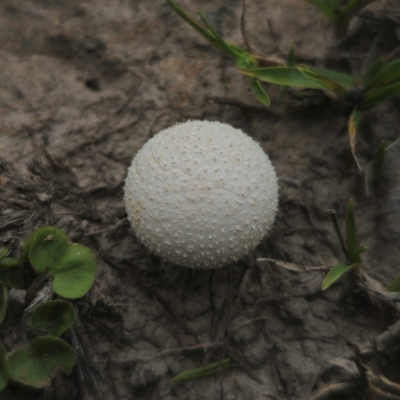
(201, 194)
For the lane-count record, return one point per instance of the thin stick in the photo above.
(179, 350)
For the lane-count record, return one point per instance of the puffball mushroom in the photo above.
(201, 194)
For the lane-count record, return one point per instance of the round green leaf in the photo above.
(4, 372)
(48, 246)
(75, 273)
(53, 318)
(72, 265)
(34, 367)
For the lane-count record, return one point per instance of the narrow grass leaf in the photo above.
(343, 80)
(387, 73)
(287, 76)
(229, 50)
(352, 128)
(258, 91)
(379, 96)
(247, 61)
(295, 267)
(374, 169)
(203, 371)
(329, 84)
(336, 273)
(373, 70)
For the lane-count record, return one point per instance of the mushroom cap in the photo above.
(201, 194)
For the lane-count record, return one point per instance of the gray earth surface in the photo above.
(84, 84)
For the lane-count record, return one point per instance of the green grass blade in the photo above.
(343, 80)
(352, 128)
(203, 371)
(258, 91)
(229, 50)
(287, 76)
(380, 95)
(247, 61)
(387, 73)
(336, 273)
(373, 70)
(330, 85)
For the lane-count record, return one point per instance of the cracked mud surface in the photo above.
(83, 85)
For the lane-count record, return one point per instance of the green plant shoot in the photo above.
(380, 82)
(209, 369)
(50, 252)
(354, 251)
(243, 58)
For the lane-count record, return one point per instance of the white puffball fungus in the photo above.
(201, 194)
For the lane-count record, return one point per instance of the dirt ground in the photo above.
(84, 84)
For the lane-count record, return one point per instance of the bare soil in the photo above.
(84, 84)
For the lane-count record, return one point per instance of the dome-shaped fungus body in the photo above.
(201, 194)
